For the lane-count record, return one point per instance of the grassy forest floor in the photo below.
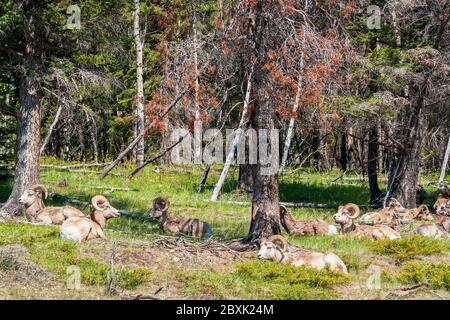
(34, 261)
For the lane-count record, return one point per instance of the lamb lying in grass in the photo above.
(276, 248)
(178, 225)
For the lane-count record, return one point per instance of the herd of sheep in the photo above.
(384, 223)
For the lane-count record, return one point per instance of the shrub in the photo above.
(280, 273)
(436, 275)
(408, 248)
(96, 273)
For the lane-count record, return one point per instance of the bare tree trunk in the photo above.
(237, 137)
(140, 116)
(372, 162)
(245, 181)
(50, 130)
(28, 122)
(445, 162)
(290, 131)
(343, 159)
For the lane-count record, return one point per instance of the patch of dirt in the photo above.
(157, 255)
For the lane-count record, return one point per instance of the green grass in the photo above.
(249, 280)
(263, 280)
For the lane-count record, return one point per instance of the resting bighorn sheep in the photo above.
(87, 228)
(276, 248)
(187, 226)
(384, 216)
(442, 206)
(345, 216)
(32, 200)
(435, 231)
(420, 213)
(309, 227)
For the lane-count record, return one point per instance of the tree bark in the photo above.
(245, 180)
(343, 160)
(140, 116)
(265, 220)
(404, 162)
(445, 162)
(372, 163)
(28, 122)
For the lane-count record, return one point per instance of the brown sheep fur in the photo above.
(308, 227)
(178, 225)
(277, 248)
(84, 228)
(442, 206)
(345, 216)
(32, 200)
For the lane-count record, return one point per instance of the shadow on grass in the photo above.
(322, 193)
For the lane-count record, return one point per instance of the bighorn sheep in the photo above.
(276, 248)
(345, 216)
(384, 216)
(440, 229)
(32, 200)
(87, 228)
(420, 213)
(187, 226)
(435, 231)
(309, 227)
(442, 206)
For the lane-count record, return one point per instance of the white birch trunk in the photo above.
(445, 163)
(287, 142)
(237, 137)
(140, 117)
(50, 130)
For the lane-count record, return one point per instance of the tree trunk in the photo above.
(50, 129)
(140, 116)
(404, 162)
(237, 137)
(28, 124)
(343, 160)
(445, 162)
(265, 220)
(372, 162)
(245, 181)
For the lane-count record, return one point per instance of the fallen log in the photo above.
(138, 138)
(76, 166)
(147, 162)
(297, 204)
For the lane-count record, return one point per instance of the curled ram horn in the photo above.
(279, 240)
(353, 209)
(161, 204)
(97, 201)
(41, 188)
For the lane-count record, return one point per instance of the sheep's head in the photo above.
(442, 206)
(36, 192)
(160, 207)
(272, 248)
(396, 206)
(424, 213)
(101, 204)
(346, 213)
